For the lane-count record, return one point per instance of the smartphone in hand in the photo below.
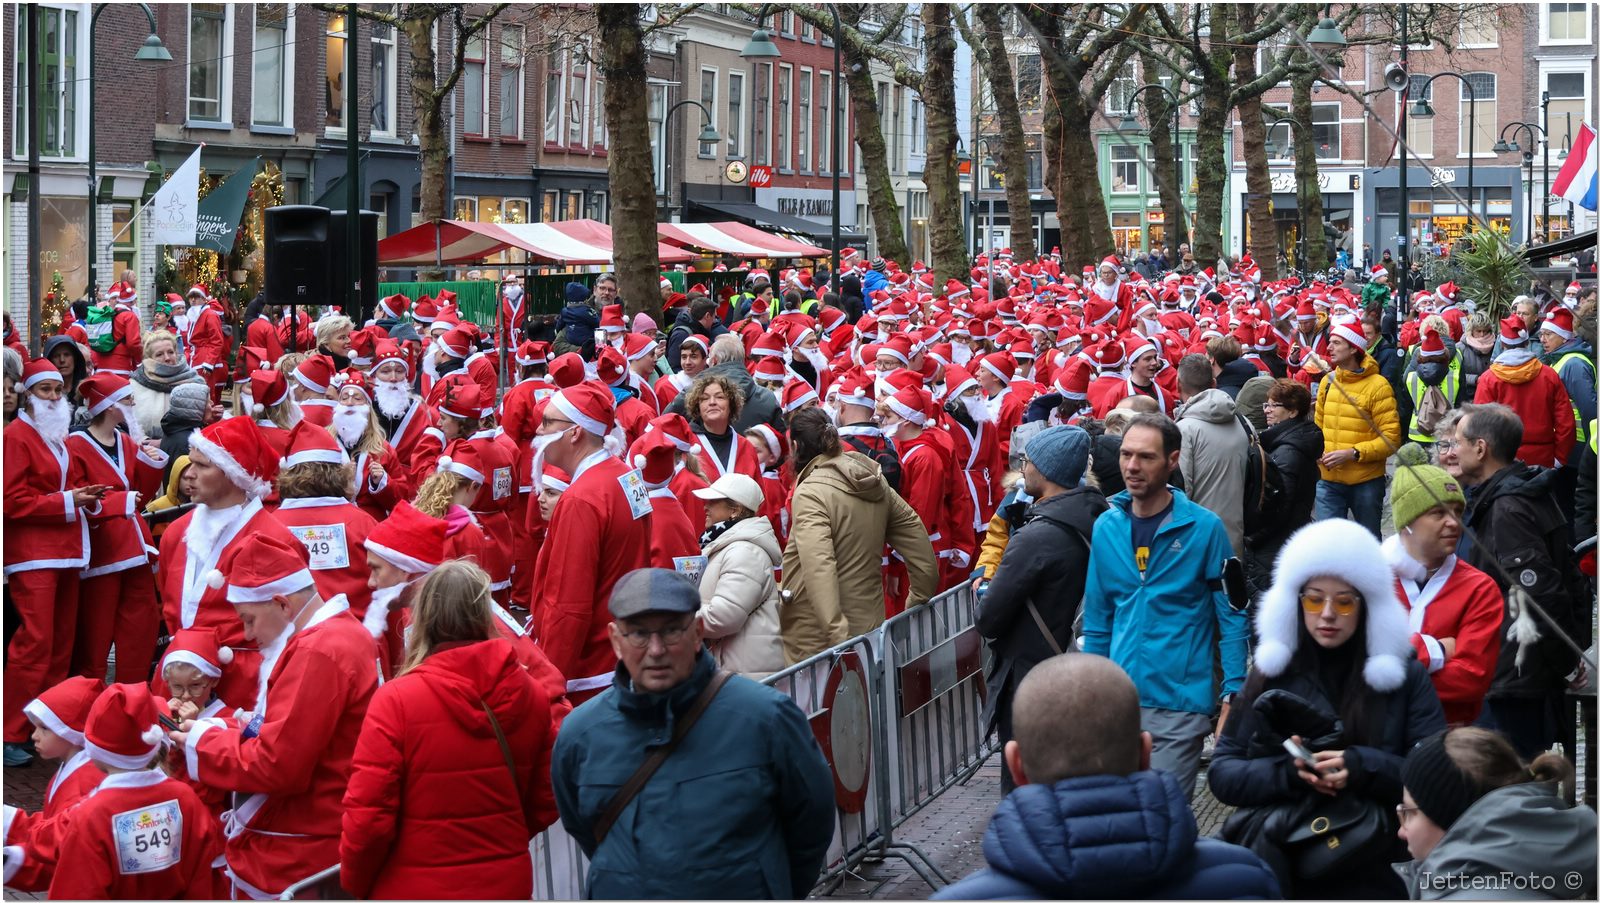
(1298, 751)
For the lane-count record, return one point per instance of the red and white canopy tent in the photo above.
(735, 239)
(453, 242)
(579, 241)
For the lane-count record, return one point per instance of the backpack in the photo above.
(1263, 485)
(1431, 409)
(880, 452)
(98, 326)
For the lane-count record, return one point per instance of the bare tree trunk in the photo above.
(1211, 163)
(428, 104)
(1169, 176)
(1308, 191)
(1013, 156)
(1258, 180)
(874, 152)
(1085, 226)
(944, 190)
(633, 195)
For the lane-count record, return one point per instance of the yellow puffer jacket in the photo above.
(1343, 425)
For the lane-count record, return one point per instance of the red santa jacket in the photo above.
(141, 836)
(187, 600)
(674, 542)
(599, 531)
(379, 497)
(669, 387)
(925, 469)
(334, 533)
(128, 351)
(977, 456)
(1008, 416)
(741, 457)
(522, 408)
(291, 776)
(208, 346)
(431, 806)
(776, 485)
(424, 457)
(492, 505)
(1535, 391)
(683, 484)
(33, 839)
(408, 436)
(261, 333)
(1458, 601)
(119, 539)
(43, 528)
(633, 416)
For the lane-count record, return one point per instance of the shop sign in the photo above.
(1443, 177)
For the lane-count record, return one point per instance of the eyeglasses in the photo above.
(1445, 445)
(1344, 604)
(670, 636)
(557, 421)
(1401, 811)
(1270, 405)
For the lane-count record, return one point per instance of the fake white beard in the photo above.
(270, 654)
(978, 408)
(376, 620)
(393, 399)
(51, 419)
(350, 420)
(430, 365)
(131, 421)
(1151, 327)
(960, 354)
(181, 321)
(815, 357)
(832, 409)
(1108, 292)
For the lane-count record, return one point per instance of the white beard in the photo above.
(816, 358)
(1108, 292)
(430, 365)
(181, 321)
(376, 620)
(51, 419)
(961, 354)
(269, 660)
(351, 420)
(135, 428)
(832, 409)
(978, 408)
(393, 399)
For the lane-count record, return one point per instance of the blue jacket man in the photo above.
(1154, 603)
(1089, 819)
(742, 808)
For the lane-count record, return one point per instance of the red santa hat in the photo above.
(1001, 364)
(363, 344)
(610, 367)
(1559, 322)
(796, 393)
(239, 448)
(771, 369)
(1432, 345)
(552, 477)
(655, 457)
(425, 310)
(351, 378)
(700, 344)
(567, 370)
(531, 353)
(1110, 356)
(394, 305)
(63, 709)
(1265, 338)
(777, 445)
(898, 347)
(958, 379)
(198, 289)
(39, 370)
(911, 403)
(1073, 380)
(856, 389)
(589, 405)
(611, 318)
(124, 727)
(199, 648)
(1349, 329)
(1513, 332)
(408, 539)
(387, 350)
(462, 460)
(267, 388)
(261, 566)
(311, 444)
(462, 399)
(637, 345)
(677, 430)
(315, 373)
(456, 342)
(103, 390)
(770, 344)
(1136, 346)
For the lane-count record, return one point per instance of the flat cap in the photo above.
(651, 590)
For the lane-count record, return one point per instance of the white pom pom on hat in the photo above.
(215, 579)
(445, 460)
(153, 735)
(638, 460)
(225, 655)
(694, 449)
(257, 408)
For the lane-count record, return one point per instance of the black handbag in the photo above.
(1334, 833)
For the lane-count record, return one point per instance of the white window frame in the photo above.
(558, 71)
(287, 87)
(225, 64)
(712, 109)
(472, 198)
(783, 120)
(1576, 66)
(599, 136)
(918, 127)
(1544, 28)
(390, 45)
(1431, 96)
(761, 151)
(521, 65)
(1463, 118)
(578, 107)
(658, 135)
(805, 98)
(738, 150)
(1128, 74)
(482, 130)
(1461, 40)
(824, 99)
(1136, 187)
(1337, 151)
(19, 107)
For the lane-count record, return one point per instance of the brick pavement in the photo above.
(24, 788)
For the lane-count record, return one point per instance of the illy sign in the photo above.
(760, 177)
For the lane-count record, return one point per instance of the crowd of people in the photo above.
(369, 602)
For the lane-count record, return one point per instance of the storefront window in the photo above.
(1126, 233)
(64, 243)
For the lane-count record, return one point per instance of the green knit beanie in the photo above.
(1419, 486)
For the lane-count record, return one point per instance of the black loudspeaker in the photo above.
(297, 255)
(366, 300)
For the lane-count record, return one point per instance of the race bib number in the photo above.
(638, 496)
(502, 482)
(326, 545)
(691, 566)
(149, 839)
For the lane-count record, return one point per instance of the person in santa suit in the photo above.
(686, 473)
(208, 344)
(262, 332)
(1144, 363)
(994, 373)
(977, 445)
(777, 479)
(314, 483)
(456, 403)
(1111, 385)
(46, 545)
(1111, 287)
(694, 352)
(117, 590)
(496, 496)
(288, 758)
(231, 467)
(141, 835)
(402, 415)
(521, 401)
(400, 551)
(925, 466)
(548, 484)
(513, 310)
(127, 349)
(599, 531)
(381, 480)
(312, 386)
(712, 405)
(267, 400)
(674, 541)
(633, 415)
(191, 667)
(58, 716)
(642, 352)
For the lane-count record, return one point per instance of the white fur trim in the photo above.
(399, 559)
(1400, 561)
(96, 409)
(253, 485)
(52, 722)
(289, 583)
(915, 417)
(118, 760)
(314, 456)
(216, 579)
(456, 467)
(185, 657)
(225, 655)
(587, 423)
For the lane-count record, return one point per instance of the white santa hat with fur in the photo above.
(1348, 551)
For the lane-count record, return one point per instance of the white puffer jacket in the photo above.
(739, 599)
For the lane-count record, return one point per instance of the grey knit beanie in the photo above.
(190, 401)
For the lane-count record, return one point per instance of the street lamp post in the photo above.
(708, 135)
(152, 50)
(1544, 107)
(1131, 124)
(977, 147)
(1534, 133)
(1291, 125)
(1424, 110)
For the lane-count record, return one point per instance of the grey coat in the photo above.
(1523, 829)
(1215, 450)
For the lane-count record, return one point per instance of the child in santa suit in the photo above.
(190, 669)
(686, 475)
(141, 835)
(314, 485)
(674, 542)
(32, 839)
(777, 480)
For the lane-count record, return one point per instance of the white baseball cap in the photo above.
(735, 487)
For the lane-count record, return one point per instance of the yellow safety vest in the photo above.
(1415, 387)
(1584, 431)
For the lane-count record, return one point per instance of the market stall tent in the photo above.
(735, 239)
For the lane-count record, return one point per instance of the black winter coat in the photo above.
(1294, 447)
(1519, 533)
(1046, 561)
(684, 327)
(1234, 375)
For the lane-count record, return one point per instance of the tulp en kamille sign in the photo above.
(217, 225)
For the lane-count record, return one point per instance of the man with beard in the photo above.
(401, 414)
(979, 464)
(1110, 286)
(380, 479)
(231, 467)
(46, 544)
(117, 592)
(314, 484)
(288, 761)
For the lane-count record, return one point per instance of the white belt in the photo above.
(249, 890)
(590, 683)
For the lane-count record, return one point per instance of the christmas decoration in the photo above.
(53, 307)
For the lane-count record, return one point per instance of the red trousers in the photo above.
(40, 654)
(118, 608)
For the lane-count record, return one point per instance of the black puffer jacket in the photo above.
(1519, 534)
(1294, 446)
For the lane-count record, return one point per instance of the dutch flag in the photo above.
(1576, 180)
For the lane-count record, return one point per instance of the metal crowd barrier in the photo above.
(897, 712)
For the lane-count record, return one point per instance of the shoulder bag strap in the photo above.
(505, 751)
(1038, 619)
(654, 761)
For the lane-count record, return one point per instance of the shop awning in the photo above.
(735, 239)
(450, 242)
(757, 215)
(1572, 244)
(578, 242)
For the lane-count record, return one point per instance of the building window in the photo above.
(125, 252)
(383, 78)
(1125, 167)
(1569, 98)
(577, 100)
(1484, 83)
(1280, 138)
(597, 206)
(1035, 147)
(379, 204)
(897, 143)
(785, 117)
(62, 93)
(466, 209)
(1478, 25)
(1419, 131)
(548, 205)
(918, 139)
(552, 99)
(763, 114)
(573, 206)
(511, 81)
(1119, 97)
(825, 162)
(208, 39)
(708, 99)
(1325, 131)
(657, 111)
(333, 84)
(475, 112)
(1565, 23)
(1030, 76)
(883, 121)
(269, 98)
(597, 112)
(735, 133)
(803, 129)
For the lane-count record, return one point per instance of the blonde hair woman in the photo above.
(162, 370)
(333, 339)
(463, 729)
(445, 494)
